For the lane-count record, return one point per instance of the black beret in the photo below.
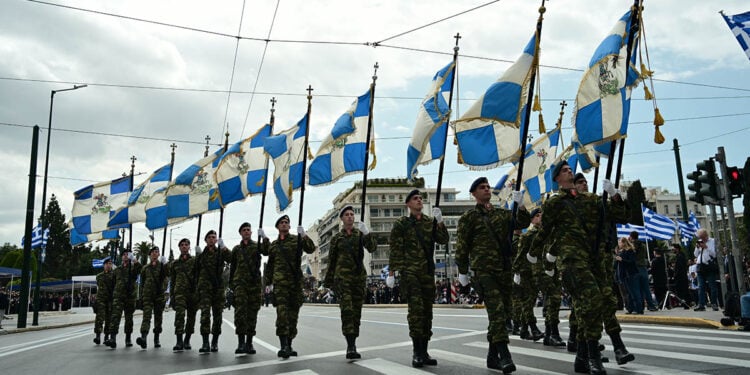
(558, 169)
(579, 176)
(244, 225)
(346, 208)
(125, 251)
(475, 184)
(285, 217)
(536, 211)
(155, 248)
(411, 194)
(209, 233)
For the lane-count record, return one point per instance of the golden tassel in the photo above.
(542, 129)
(374, 158)
(658, 137)
(658, 121)
(537, 106)
(647, 94)
(645, 73)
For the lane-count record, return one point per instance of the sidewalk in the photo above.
(51, 319)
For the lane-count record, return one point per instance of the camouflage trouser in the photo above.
(120, 305)
(419, 291)
(103, 316)
(609, 299)
(550, 288)
(586, 292)
(155, 306)
(493, 287)
(351, 297)
(211, 301)
(184, 304)
(289, 299)
(246, 306)
(528, 292)
(516, 303)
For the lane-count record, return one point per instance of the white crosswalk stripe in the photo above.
(300, 372)
(478, 362)
(387, 367)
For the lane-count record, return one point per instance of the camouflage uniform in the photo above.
(246, 284)
(528, 289)
(124, 296)
(105, 285)
(411, 254)
(548, 285)
(286, 276)
(154, 278)
(479, 231)
(347, 277)
(210, 287)
(183, 295)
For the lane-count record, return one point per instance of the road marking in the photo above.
(478, 315)
(683, 329)
(77, 331)
(479, 362)
(388, 323)
(300, 372)
(704, 335)
(256, 340)
(27, 348)
(387, 367)
(693, 357)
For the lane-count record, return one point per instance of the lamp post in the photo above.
(170, 236)
(44, 199)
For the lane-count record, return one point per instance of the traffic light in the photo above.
(736, 182)
(695, 187)
(708, 183)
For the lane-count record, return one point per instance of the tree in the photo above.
(141, 250)
(57, 263)
(636, 197)
(7, 248)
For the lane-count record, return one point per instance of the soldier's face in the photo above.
(537, 219)
(184, 247)
(415, 203)
(283, 227)
(582, 185)
(108, 266)
(154, 255)
(565, 177)
(348, 218)
(211, 240)
(482, 193)
(246, 233)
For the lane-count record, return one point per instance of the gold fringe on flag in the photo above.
(537, 106)
(374, 158)
(658, 121)
(542, 129)
(647, 95)
(645, 73)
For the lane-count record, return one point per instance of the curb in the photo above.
(42, 328)
(673, 321)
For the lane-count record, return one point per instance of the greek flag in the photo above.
(343, 150)
(428, 141)
(287, 151)
(623, 230)
(95, 204)
(693, 220)
(194, 191)
(98, 263)
(687, 230)
(602, 105)
(77, 238)
(658, 227)
(740, 26)
(37, 238)
(489, 133)
(242, 169)
(135, 210)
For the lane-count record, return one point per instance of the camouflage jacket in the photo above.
(182, 276)
(245, 264)
(521, 264)
(105, 286)
(209, 266)
(477, 244)
(345, 256)
(125, 277)
(408, 252)
(284, 264)
(154, 278)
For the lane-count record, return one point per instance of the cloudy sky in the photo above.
(184, 75)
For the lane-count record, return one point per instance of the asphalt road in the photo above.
(458, 343)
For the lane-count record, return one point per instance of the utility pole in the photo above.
(735, 246)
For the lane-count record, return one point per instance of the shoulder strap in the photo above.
(503, 246)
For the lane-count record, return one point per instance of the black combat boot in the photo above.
(595, 358)
(241, 349)
(142, 340)
(186, 343)
(98, 339)
(106, 338)
(515, 328)
(416, 358)
(536, 334)
(351, 347)
(572, 343)
(205, 348)
(112, 342)
(509, 326)
(581, 363)
(506, 361)
(554, 337)
(128, 342)
(157, 343)
(215, 343)
(621, 354)
(179, 346)
(493, 361)
(426, 356)
(284, 347)
(524, 333)
(292, 352)
(249, 349)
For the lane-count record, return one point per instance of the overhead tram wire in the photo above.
(234, 66)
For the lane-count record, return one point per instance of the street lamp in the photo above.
(170, 236)
(44, 198)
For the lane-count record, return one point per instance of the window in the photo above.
(449, 197)
(374, 212)
(372, 198)
(386, 212)
(391, 198)
(666, 209)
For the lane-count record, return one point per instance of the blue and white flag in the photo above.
(343, 150)
(694, 220)
(489, 133)
(38, 239)
(602, 107)
(242, 169)
(95, 204)
(658, 227)
(287, 151)
(740, 26)
(194, 191)
(135, 210)
(688, 230)
(156, 211)
(98, 263)
(78, 238)
(623, 230)
(430, 131)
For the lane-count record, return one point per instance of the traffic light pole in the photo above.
(721, 158)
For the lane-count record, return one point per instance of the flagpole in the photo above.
(648, 252)
(265, 177)
(164, 239)
(450, 101)
(596, 173)
(221, 210)
(132, 175)
(360, 254)
(304, 172)
(200, 217)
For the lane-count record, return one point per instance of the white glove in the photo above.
(130, 256)
(463, 279)
(301, 231)
(609, 188)
(437, 214)
(517, 279)
(531, 258)
(220, 244)
(517, 197)
(551, 258)
(550, 273)
(363, 228)
(390, 281)
(262, 234)
(198, 250)
(162, 260)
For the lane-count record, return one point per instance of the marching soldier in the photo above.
(346, 274)
(412, 244)
(284, 272)
(483, 242)
(525, 282)
(124, 298)
(154, 277)
(209, 267)
(246, 283)
(105, 285)
(183, 296)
